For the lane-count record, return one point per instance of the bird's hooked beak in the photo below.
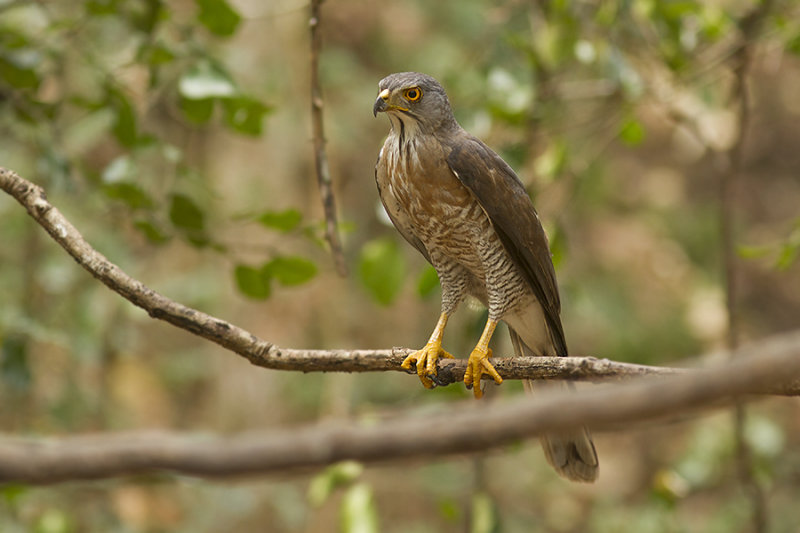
(381, 104)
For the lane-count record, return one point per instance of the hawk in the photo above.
(467, 212)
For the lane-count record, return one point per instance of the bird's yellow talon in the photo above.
(425, 361)
(477, 365)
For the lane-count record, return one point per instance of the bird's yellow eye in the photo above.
(413, 94)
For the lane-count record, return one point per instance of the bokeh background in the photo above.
(176, 136)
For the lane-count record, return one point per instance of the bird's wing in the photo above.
(396, 213)
(504, 199)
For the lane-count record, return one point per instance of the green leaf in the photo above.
(484, 514)
(427, 282)
(206, 80)
(218, 17)
(197, 111)
(333, 477)
(788, 253)
(151, 231)
(120, 169)
(130, 193)
(15, 370)
(245, 115)
(155, 54)
(290, 270)
(753, 252)
(359, 513)
(790, 249)
(185, 214)
(11, 493)
(18, 68)
(252, 282)
(54, 521)
(793, 44)
(146, 15)
(284, 221)
(552, 162)
(124, 128)
(382, 269)
(102, 7)
(632, 132)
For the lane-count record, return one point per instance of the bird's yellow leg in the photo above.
(478, 363)
(426, 358)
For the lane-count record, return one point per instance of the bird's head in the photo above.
(411, 96)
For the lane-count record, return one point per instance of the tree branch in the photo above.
(320, 158)
(460, 428)
(265, 354)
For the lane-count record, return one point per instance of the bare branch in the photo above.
(320, 158)
(265, 354)
(460, 428)
(749, 27)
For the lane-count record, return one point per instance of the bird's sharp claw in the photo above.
(478, 365)
(425, 361)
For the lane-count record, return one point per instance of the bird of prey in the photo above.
(467, 212)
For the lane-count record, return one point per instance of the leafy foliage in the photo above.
(154, 125)
(382, 268)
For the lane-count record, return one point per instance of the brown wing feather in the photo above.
(505, 201)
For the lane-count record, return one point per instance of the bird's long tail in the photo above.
(571, 454)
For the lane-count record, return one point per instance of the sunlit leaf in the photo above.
(245, 114)
(790, 249)
(185, 214)
(252, 282)
(323, 484)
(120, 169)
(631, 132)
(218, 17)
(787, 255)
(205, 80)
(359, 514)
(551, 162)
(54, 520)
(765, 437)
(382, 269)
(283, 221)
(484, 514)
(753, 252)
(290, 270)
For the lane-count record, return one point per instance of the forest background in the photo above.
(176, 136)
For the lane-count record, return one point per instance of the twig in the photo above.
(749, 27)
(320, 158)
(461, 428)
(265, 354)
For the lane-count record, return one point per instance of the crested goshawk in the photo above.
(467, 212)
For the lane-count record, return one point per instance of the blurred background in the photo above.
(176, 136)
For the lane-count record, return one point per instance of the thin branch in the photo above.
(455, 429)
(265, 354)
(749, 27)
(320, 158)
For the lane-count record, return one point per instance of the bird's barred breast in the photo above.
(448, 219)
